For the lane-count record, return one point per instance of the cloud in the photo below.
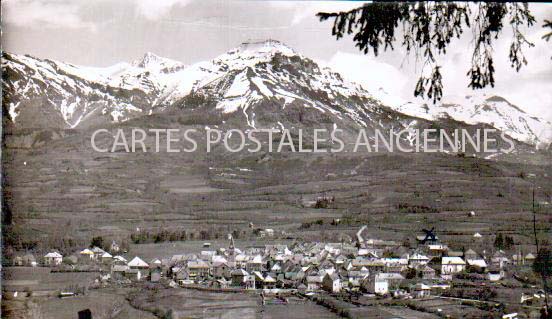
(156, 9)
(308, 9)
(372, 74)
(42, 13)
(71, 13)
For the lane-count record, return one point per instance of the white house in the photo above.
(98, 252)
(452, 265)
(120, 259)
(106, 257)
(417, 259)
(479, 263)
(422, 291)
(494, 276)
(495, 273)
(314, 283)
(53, 259)
(376, 284)
(137, 263)
(155, 262)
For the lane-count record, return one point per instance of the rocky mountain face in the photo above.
(264, 84)
(492, 110)
(49, 94)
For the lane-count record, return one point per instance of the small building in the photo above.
(29, 260)
(393, 279)
(499, 259)
(134, 274)
(119, 260)
(495, 274)
(181, 274)
(314, 282)
(530, 258)
(239, 277)
(255, 264)
(25, 260)
(98, 252)
(427, 272)
(436, 250)
(137, 263)
(418, 259)
(376, 284)
(331, 283)
(53, 259)
(198, 269)
(155, 275)
(452, 265)
(266, 233)
(220, 269)
(118, 271)
(155, 263)
(259, 279)
(269, 282)
(106, 257)
(477, 265)
(86, 254)
(422, 291)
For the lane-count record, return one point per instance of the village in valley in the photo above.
(426, 275)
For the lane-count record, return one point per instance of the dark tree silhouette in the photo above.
(97, 241)
(543, 267)
(426, 30)
(547, 24)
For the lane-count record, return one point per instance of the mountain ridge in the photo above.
(246, 78)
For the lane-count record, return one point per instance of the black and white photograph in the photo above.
(236, 159)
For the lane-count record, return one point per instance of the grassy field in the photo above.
(104, 304)
(42, 280)
(184, 303)
(68, 189)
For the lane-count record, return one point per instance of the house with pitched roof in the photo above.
(452, 265)
(376, 284)
(331, 282)
(421, 290)
(53, 258)
(314, 282)
(86, 254)
(137, 263)
(198, 269)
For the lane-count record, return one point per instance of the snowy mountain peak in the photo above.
(252, 80)
(153, 62)
(495, 111)
(253, 52)
(269, 46)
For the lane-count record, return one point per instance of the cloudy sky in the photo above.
(102, 33)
